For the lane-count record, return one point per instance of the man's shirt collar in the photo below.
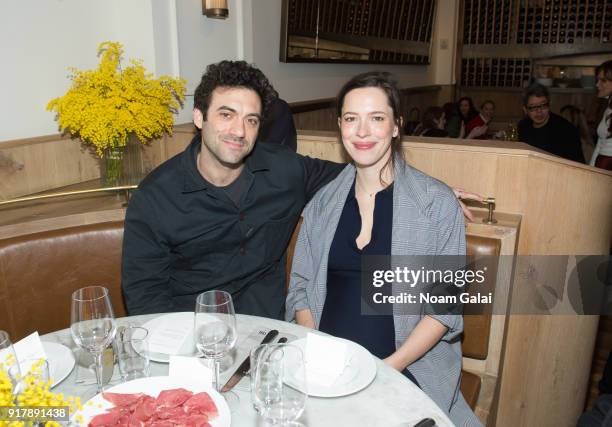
(193, 180)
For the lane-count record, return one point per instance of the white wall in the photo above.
(203, 41)
(40, 40)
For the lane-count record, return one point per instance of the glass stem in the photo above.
(98, 363)
(217, 362)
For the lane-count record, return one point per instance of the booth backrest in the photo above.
(39, 272)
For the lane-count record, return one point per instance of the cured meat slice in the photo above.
(201, 403)
(160, 424)
(122, 399)
(145, 408)
(109, 418)
(170, 413)
(190, 421)
(173, 398)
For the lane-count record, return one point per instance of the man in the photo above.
(220, 214)
(545, 130)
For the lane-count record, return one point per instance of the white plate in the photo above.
(182, 320)
(153, 386)
(357, 375)
(61, 361)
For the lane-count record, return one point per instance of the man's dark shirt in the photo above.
(558, 137)
(184, 236)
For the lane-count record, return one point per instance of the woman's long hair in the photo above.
(384, 81)
(473, 112)
(606, 70)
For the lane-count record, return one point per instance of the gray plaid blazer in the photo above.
(427, 220)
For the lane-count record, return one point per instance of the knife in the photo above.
(246, 364)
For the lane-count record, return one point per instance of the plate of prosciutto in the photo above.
(156, 402)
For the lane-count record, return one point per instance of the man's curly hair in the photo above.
(233, 74)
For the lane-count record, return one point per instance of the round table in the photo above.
(390, 400)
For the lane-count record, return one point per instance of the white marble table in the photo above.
(390, 400)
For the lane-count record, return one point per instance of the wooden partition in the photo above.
(565, 208)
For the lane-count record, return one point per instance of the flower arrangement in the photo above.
(35, 392)
(104, 106)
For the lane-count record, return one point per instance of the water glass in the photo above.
(133, 353)
(278, 383)
(33, 371)
(8, 358)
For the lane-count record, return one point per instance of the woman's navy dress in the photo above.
(341, 315)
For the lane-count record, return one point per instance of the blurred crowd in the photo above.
(568, 134)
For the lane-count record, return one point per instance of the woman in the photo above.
(454, 124)
(467, 110)
(602, 156)
(434, 122)
(478, 127)
(576, 116)
(379, 205)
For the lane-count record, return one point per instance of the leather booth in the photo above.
(39, 272)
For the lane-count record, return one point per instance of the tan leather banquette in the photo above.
(39, 272)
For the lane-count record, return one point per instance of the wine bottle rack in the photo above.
(501, 38)
(388, 31)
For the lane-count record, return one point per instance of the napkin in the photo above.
(190, 367)
(325, 359)
(29, 348)
(171, 338)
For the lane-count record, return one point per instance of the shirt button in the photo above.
(242, 250)
(242, 215)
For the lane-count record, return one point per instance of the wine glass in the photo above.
(93, 323)
(215, 329)
(279, 388)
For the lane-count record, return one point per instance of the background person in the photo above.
(467, 110)
(434, 122)
(478, 127)
(576, 116)
(454, 125)
(602, 156)
(546, 130)
(278, 126)
(379, 205)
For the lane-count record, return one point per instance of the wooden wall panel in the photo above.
(45, 164)
(323, 119)
(34, 165)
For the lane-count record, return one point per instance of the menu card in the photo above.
(29, 348)
(170, 338)
(190, 367)
(325, 359)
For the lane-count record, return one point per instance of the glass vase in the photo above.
(112, 166)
